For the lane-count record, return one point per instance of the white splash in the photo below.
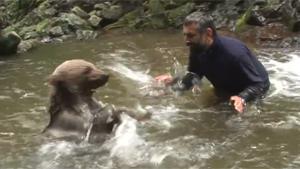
(138, 76)
(51, 154)
(284, 75)
(126, 141)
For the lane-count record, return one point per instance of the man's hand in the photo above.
(166, 79)
(238, 103)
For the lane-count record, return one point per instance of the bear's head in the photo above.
(78, 76)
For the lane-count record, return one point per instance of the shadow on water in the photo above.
(189, 130)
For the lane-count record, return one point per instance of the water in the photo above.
(187, 131)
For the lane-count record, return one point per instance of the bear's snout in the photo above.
(103, 79)
(98, 80)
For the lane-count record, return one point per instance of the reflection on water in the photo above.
(187, 131)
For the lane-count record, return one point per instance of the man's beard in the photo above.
(200, 47)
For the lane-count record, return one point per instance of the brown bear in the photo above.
(74, 113)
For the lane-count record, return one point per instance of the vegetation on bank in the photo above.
(38, 21)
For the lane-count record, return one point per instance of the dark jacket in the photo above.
(231, 68)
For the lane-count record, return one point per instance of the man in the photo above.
(227, 63)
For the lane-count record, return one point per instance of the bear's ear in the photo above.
(54, 80)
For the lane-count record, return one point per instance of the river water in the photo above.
(186, 131)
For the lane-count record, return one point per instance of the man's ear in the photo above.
(209, 32)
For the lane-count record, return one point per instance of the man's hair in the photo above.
(203, 21)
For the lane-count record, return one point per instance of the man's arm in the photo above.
(192, 77)
(186, 82)
(254, 91)
(260, 84)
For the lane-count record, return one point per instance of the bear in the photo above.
(74, 112)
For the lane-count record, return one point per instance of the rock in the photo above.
(79, 12)
(171, 4)
(241, 23)
(130, 20)
(176, 16)
(31, 35)
(43, 26)
(157, 16)
(260, 2)
(112, 13)
(56, 31)
(255, 18)
(50, 12)
(291, 15)
(95, 20)
(45, 10)
(74, 21)
(46, 39)
(101, 6)
(26, 30)
(9, 43)
(27, 45)
(86, 34)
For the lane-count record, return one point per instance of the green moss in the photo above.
(131, 20)
(177, 15)
(41, 26)
(241, 23)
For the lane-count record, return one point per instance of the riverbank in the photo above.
(267, 23)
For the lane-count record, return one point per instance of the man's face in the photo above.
(193, 37)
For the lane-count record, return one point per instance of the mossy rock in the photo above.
(74, 21)
(156, 15)
(155, 7)
(171, 4)
(112, 13)
(176, 16)
(131, 20)
(26, 30)
(80, 12)
(241, 23)
(9, 43)
(43, 26)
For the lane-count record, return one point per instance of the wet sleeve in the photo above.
(255, 91)
(192, 77)
(258, 86)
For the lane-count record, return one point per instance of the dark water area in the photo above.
(187, 131)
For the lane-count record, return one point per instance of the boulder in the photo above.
(176, 16)
(157, 17)
(86, 34)
(95, 20)
(112, 13)
(291, 14)
(74, 21)
(9, 43)
(79, 12)
(56, 31)
(27, 45)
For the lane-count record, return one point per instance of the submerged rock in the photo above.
(86, 34)
(27, 45)
(9, 43)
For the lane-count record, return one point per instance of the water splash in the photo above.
(126, 142)
(284, 74)
(137, 76)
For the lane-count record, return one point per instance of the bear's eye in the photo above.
(87, 70)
